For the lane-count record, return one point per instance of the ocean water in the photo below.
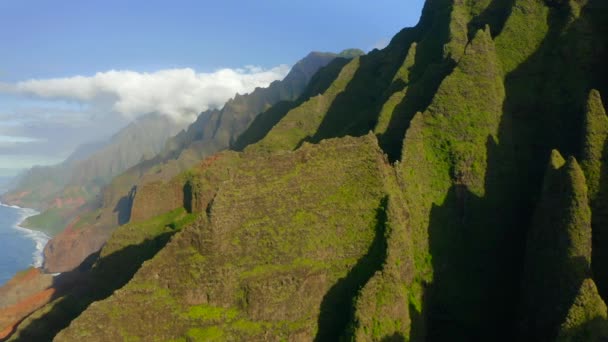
(19, 247)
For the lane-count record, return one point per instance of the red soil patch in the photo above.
(16, 313)
(29, 275)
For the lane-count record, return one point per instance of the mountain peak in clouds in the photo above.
(151, 138)
(215, 130)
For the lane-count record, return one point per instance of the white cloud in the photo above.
(178, 93)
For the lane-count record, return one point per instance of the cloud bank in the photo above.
(178, 93)
(43, 120)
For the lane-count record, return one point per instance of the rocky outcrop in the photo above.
(72, 247)
(155, 198)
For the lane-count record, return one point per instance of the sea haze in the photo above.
(20, 248)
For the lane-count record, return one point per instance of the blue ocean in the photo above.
(19, 247)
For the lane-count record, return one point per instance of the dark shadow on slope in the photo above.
(418, 318)
(455, 311)
(478, 243)
(337, 309)
(355, 111)
(123, 207)
(593, 330)
(425, 77)
(478, 263)
(599, 229)
(418, 97)
(264, 122)
(323, 79)
(495, 15)
(109, 274)
(189, 199)
(551, 295)
(543, 110)
(546, 100)
(598, 12)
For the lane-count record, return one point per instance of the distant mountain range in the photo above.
(64, 191)
(449, 187)
(59, 190)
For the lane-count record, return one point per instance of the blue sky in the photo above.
(175, 40)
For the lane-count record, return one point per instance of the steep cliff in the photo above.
(406, 196)
(212, 132)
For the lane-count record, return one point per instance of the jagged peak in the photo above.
(595, 134)
(576, 174)
(587, 319)
(482, 41)
(558, 249)
(556, 160)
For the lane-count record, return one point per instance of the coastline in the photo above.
(40, 238)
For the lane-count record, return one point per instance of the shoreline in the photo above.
(39, 238)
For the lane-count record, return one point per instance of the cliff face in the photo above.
(404, 196)
(292, 261)
(149, 182)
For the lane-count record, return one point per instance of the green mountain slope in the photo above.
(213, 131)
(216, 130)
(409, 199)
(283, 291)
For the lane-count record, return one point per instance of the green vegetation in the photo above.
(281, 254)
(137, 233)
(401, 195)
(594, 135)
(558, 250)
(587, 319)
(265, 121)
(120, 259)
(303, 121)
(444, 167)
(594, 163)
(50, 222)
(213, 131)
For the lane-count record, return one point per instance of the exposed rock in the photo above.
(68, 250)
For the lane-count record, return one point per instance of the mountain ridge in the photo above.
(211, 132)
(447, 187)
